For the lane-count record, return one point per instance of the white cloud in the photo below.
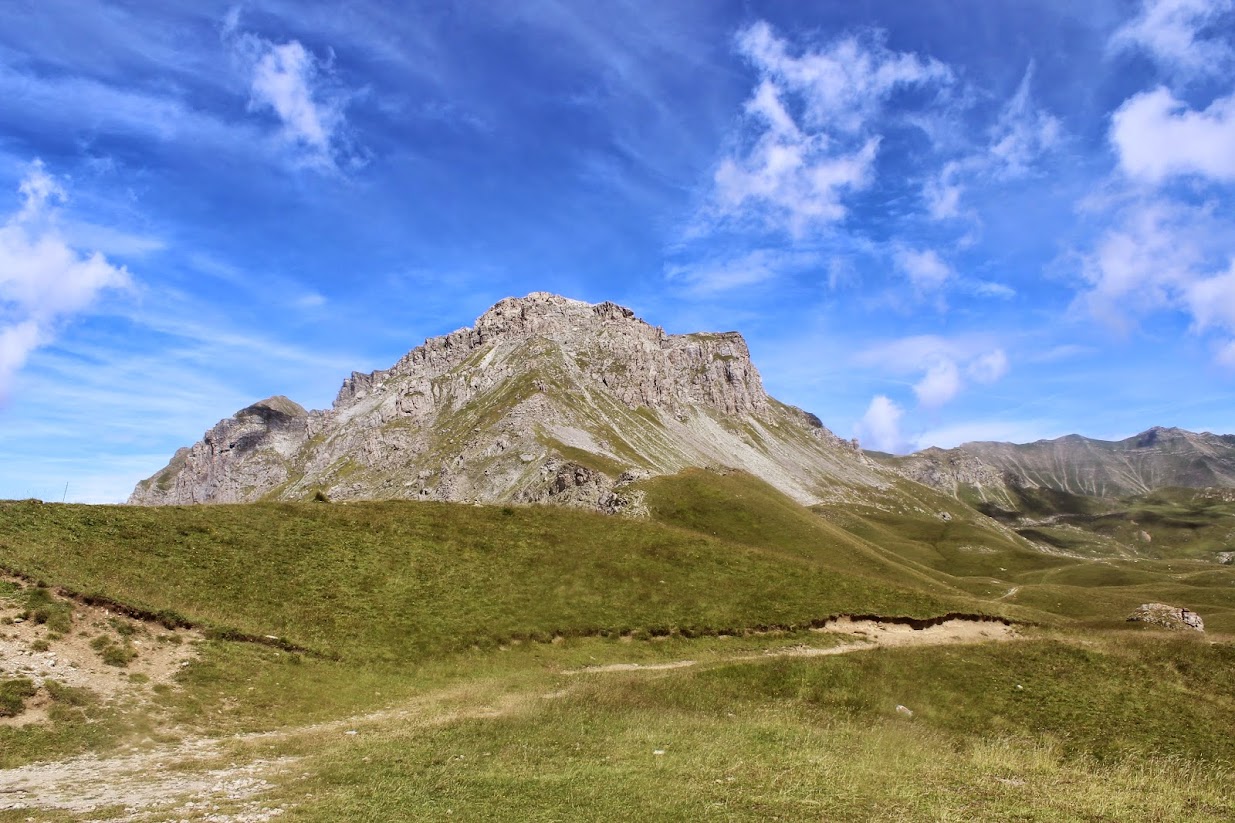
(758, 266)
(1158, 136)
(1023, 134)
(1225, 356)
(1163, 257)
(940, 384)
(942, 364)
(989, 367)
(298, 88)
(987, 288)
(943, 192)
(43, 279)
(282, 80)
(925, 269)
(1212, 301)
(879, 428)
(1168, 30)
(1012, 431)
(1141, 266)
(310, 300)
(810, 116)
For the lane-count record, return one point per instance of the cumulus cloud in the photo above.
(940, 384)
(1140, 266)
(879, 428)
(43, 279)
(1157, 136)
(809, 119)
(1211, 300)
(1172, 32)
(1164, 257)
(299, 88)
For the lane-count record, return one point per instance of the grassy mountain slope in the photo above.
(454, 641)
(404, 580)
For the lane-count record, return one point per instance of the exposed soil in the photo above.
(33, 650)
(865, 634)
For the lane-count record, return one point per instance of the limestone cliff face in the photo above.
(543, 399)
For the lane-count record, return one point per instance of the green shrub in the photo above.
(13, 694)
(44, 609)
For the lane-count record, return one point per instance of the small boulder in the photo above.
(1167, 617)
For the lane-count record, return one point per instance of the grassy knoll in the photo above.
(404, 581)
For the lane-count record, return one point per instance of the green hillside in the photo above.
(402, 581)
(443, 661)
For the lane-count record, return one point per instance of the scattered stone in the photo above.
(1167, 617)
(1226, 558)
(1144, 536)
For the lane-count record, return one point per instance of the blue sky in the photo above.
(934, 222)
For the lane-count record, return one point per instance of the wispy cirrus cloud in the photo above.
(757, 267)
(1022, 134)
(44, 281)
(301, 90)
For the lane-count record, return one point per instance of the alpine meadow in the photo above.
(844, 431)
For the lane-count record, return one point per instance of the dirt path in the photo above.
(200, 778)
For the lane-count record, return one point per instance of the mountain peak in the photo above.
(543, 398)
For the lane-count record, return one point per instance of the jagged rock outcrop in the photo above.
(544, 399)
(1167, 617)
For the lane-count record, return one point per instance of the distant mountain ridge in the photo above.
(1154, 459)
(543, 399)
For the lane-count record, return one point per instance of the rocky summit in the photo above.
(544, 399)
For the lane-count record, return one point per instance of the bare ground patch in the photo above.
(864, 633)
(84, 647)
